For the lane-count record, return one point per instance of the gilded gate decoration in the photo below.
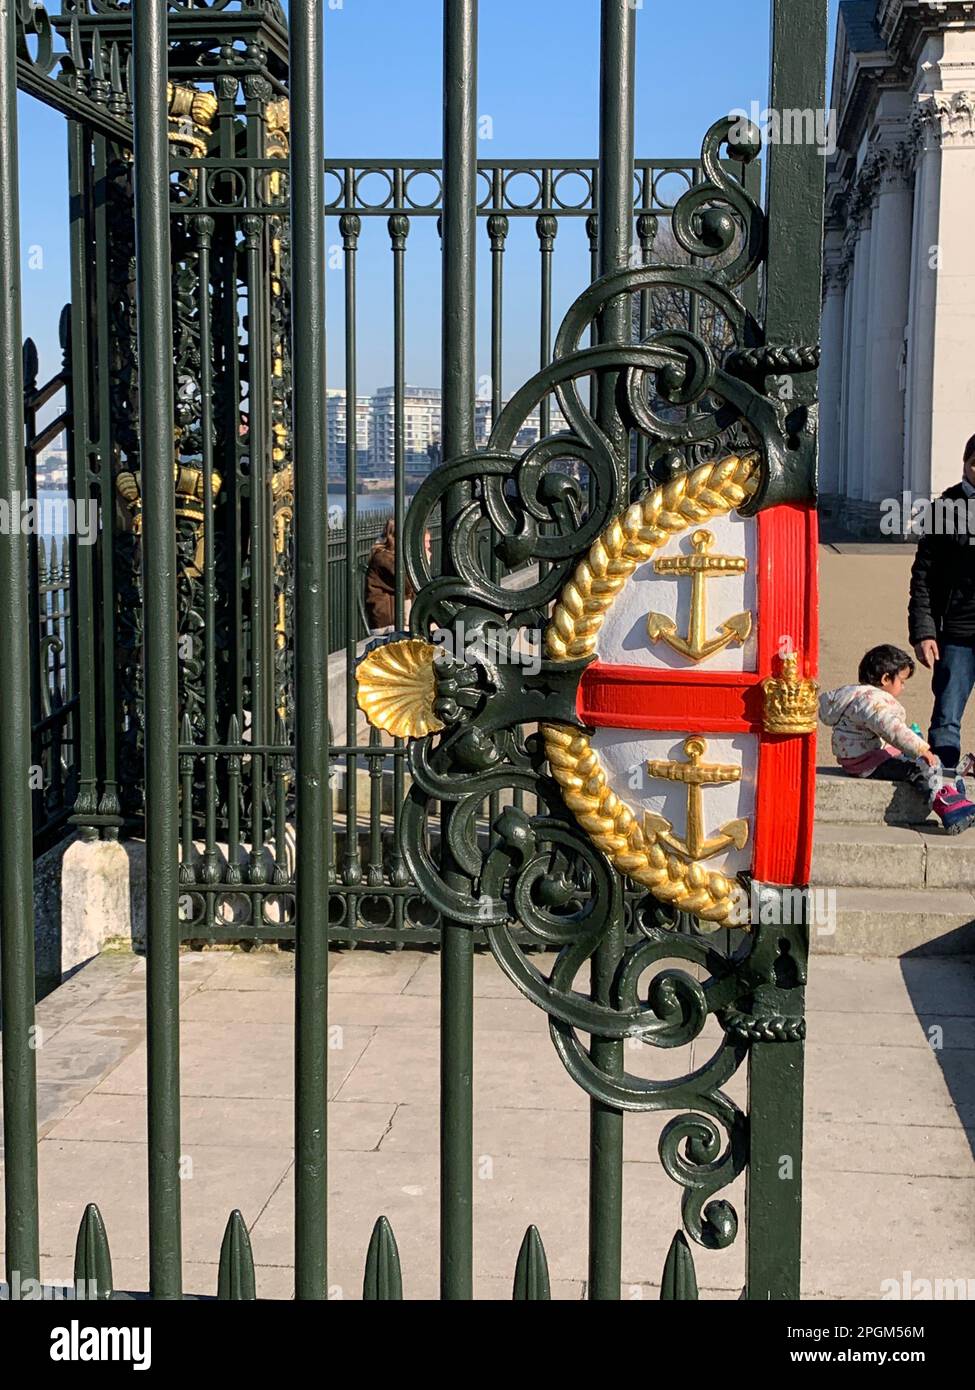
(562, 852)
(653, 557)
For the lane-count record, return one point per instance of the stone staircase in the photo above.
(889, 880)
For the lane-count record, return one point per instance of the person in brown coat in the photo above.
(381, 581)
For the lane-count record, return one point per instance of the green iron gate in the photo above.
(240, 544)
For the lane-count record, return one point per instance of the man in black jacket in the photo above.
(941, 614)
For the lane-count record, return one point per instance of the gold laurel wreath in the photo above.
(630, 540)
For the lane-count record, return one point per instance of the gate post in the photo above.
(159, 654)
(16, 848)
(615, 231)
(793, 282)
(458, 389)
(311, 647)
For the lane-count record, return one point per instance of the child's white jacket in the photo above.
(864, 720)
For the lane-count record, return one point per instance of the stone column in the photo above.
(848, 293)
(831, 369)
(887, 319)
(941, 330)
(856, 365)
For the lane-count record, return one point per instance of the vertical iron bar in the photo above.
(228, 441)
(211, 872)
(592, 235)
(498, 228)
(16, 867)
(79, 173)
(546, 227)
(154, 307)
(257, 436)
(234, 872)
(40, 665)
(646, 226)
(374, 867)
(109, 803)
(793, 281)
(187, 868)
(311, 648)
(615, 203)
(350, 225)
(399, 228)
(458, 376)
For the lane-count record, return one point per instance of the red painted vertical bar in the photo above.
(787, 611)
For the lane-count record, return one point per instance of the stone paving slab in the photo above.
(890, 1101)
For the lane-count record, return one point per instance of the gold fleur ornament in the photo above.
(396, 688)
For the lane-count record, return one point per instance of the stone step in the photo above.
(879, 922)
(841, 799)
(893, 856)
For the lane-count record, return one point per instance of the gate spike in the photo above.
(92, 1260)
(235, 1279)
(679, 1282)
(31, 364)
(531, 1271)
(97, 58)
(75, 47)
(115, 68)
(383, 1281)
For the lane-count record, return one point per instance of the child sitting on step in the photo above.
(871, 736)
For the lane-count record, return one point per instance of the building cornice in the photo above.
(906, 24)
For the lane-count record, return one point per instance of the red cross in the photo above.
(731, 702)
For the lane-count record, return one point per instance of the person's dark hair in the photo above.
(885, 660)
(969, 449)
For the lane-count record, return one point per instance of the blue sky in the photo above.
(538, 82)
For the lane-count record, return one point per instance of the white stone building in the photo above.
(897, 382)
(421, 418)
(336, 430)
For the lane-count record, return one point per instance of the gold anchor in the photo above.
(701, 566)
(695, 774)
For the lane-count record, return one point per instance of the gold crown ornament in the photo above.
(791, 700)
(191, 116)
(188, 480)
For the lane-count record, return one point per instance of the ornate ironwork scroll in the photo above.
(502, 731)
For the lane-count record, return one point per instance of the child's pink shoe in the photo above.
(951, 804)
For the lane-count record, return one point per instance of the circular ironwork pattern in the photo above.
(628, 541)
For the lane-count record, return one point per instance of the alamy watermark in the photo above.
(919, 516)
(789, 126)
(49, 516)
(908, 1287)
(758, 905)
(496, 646)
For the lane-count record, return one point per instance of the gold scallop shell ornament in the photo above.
(396, 688)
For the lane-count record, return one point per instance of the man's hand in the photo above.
(930, 758)
(927, 652)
